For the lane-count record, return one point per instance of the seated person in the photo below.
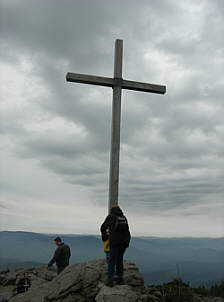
(23, 284)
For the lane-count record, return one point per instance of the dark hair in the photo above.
(57, 239)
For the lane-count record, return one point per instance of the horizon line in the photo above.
(89, 234)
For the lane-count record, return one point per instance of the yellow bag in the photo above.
(106, 246)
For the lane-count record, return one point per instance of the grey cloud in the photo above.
(83, 165)
(2, 206)
(65, 31)
(48, 146)
(7, 127)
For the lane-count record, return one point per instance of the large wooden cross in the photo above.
(117, 83)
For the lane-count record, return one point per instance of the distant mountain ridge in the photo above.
(199, 260)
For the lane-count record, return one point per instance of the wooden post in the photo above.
(115, 127)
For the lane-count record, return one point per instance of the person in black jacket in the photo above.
(119, 237)
(61, 255)
(23, 284)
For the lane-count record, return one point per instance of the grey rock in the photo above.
(6, 296)
(84, 281)
(122, 293)
(152, 298)
(33, 295)
(133, 277)
(39, 276)
(2, 279)
(10, 279)
(144, 298)
(67, 283)
(153, 294)
(4, 270)
(199, 298)
(157, 294)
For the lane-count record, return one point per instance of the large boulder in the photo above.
(83, 282)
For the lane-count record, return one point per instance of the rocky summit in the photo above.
(79, 283)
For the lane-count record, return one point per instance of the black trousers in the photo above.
(116, 259)
(60, 268)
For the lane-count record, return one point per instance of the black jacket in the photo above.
(61, 255)
(116, 238)
(23, 285)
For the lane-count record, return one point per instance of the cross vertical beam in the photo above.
(115, 126)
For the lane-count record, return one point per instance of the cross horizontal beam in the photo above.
(89, 79)
(111, 82)
(140, 86)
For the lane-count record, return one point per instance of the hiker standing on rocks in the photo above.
(61, 255)
(119, 237)
(24, 284)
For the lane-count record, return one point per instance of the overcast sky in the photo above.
(55, 135)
